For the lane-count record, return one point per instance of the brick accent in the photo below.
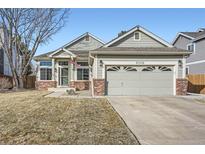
(99, 87)
(80, 85)
(44, 85)
(181, 86)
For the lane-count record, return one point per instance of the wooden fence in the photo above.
(196, 83)
(29, 83)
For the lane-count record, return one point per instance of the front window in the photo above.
(45, 63)
(82, 74)
(45, 70)
(45, 73)
(63, 63)
(82, 63)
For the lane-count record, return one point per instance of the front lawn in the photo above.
(30, 118)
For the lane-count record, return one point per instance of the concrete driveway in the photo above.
(163, 120)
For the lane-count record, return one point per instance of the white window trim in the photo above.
(139, 36)
(193, 52)
(45, 61)
(51, 67)
(85, 67)
(40, 72)
(82, 67)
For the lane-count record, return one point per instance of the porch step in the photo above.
(62, 89)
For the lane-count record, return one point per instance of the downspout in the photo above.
(92, 86)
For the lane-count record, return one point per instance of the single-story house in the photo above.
(136, 62)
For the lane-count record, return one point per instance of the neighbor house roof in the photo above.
(140, 51)
(157, 38)
(191, 35)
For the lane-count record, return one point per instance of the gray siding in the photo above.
(145, 41)
(82, 44)
(100, 69)
(197, 68)
(199, 53)
(182, 42)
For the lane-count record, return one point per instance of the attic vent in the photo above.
(121, 33)
(87, 38)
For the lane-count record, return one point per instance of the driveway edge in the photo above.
(123, 121)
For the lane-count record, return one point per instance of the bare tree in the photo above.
(23, 31)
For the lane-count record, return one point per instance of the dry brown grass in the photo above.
(30, 118)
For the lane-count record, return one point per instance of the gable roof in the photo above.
(190, 35)
(62, 49)
(80, 37)
(47, 55)
(157, 38)
(199, 38)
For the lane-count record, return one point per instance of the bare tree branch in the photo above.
(24, 30)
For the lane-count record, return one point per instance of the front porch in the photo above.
(63, 70)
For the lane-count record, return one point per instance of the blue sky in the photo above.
(106, 23)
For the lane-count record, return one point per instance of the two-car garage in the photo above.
(128, 80)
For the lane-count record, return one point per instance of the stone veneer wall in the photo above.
(44, 85)
(80, 85)
(181, 86)
(99, 87)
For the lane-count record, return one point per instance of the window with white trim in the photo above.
(45, 73)
(45, 63)
(136, 36)
(82, 71)
(45, 70)
(191, 47)
(83, 74)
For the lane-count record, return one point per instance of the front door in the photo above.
(63, 76)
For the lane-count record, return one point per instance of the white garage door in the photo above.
(139, 80)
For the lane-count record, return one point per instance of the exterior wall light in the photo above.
(101, 63)
(180, 63)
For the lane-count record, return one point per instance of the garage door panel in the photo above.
(156, 76)
(115, 84)
(154, 84)
(122, 76)
(154, 91)
(126, 82)
(115, 91)
(129, 91)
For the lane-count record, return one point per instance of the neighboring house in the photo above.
(194, 42)
(4, 64)
(137, 62)
(5, 69)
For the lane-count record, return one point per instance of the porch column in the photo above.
(53, 69)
